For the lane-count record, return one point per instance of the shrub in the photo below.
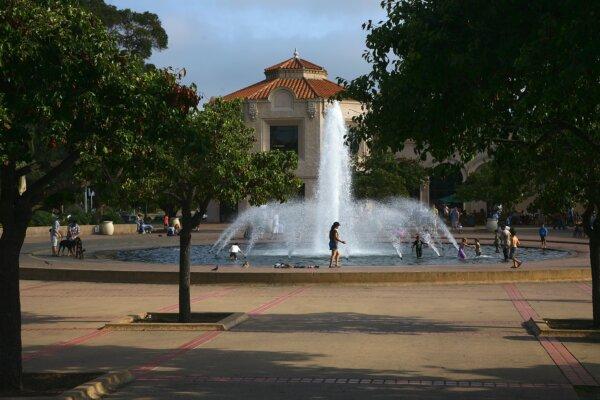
(41, 218)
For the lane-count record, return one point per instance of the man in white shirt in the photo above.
(505, 240)
(54, 236)
(234, 251)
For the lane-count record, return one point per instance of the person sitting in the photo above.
(142, 226)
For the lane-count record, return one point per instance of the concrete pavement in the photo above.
(318, 341)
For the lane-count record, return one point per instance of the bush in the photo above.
(41, 218)
(111, 215)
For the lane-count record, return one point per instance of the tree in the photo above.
(516, 79)
(491, 183)
(206, 155)
(137, 33)
(381, 175)
(67, 95)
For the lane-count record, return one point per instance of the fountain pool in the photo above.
(383, 255)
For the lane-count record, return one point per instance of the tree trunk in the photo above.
(10, 306)
(14, 216)
(595, 265)
(185, 238)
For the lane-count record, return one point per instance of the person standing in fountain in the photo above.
(418, 245)
(461, 249)
(334, 239)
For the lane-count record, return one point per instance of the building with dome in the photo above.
(286, 111)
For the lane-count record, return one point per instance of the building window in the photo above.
(284, 138)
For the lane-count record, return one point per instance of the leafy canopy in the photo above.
(67, 95)
(516, 79)
(380, 175)
(135, 32)
(207, 155)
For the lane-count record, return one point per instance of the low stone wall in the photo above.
(120, 229)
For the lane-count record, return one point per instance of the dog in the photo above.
(74, 247)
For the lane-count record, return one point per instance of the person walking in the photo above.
(54, 236)
(514, 244)
(334, 239)
(543, 233)
(166, 221)
(505, 241)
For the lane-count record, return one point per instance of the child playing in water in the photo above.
(461, 249)
(477, 248)
(418, 245)
(497, 241)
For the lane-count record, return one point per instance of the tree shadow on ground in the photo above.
(197, 373)
(348, 322)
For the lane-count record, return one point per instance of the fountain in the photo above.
(300, 228)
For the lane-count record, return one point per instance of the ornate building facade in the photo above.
(286, 111)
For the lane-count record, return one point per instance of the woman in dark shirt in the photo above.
(334, 239)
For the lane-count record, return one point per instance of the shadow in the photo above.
(31, 318)
(347, 322)
(221, 373)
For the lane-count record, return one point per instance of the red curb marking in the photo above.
(585, 287)
(562, 357)
(207, 337)
(351, 381)
(54, 348)
(270, 304)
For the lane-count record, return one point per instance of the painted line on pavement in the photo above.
(562, 357)
(208, 336)
(57, 347)
(351, 381)
(270, 304)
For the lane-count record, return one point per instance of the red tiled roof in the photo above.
(303, 89)
(294, 63)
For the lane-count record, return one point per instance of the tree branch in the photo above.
(26, 169)
(36, 188)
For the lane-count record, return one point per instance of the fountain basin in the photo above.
(267, 255)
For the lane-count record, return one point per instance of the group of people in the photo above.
(73, 232)
(505, 237)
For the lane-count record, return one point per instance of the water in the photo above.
(301, 227)
(270, 254)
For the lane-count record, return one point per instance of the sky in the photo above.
(225, 45)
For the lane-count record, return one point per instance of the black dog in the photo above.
(74, 247)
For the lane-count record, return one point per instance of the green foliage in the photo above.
(41, 218)
(206, 154)
(137, 33)
(491, 183)
(516, 79)
(382, 175)
(109, 214)
(69, 95)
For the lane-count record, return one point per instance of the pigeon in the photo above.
(216, 268)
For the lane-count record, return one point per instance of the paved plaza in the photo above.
(318, 341)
